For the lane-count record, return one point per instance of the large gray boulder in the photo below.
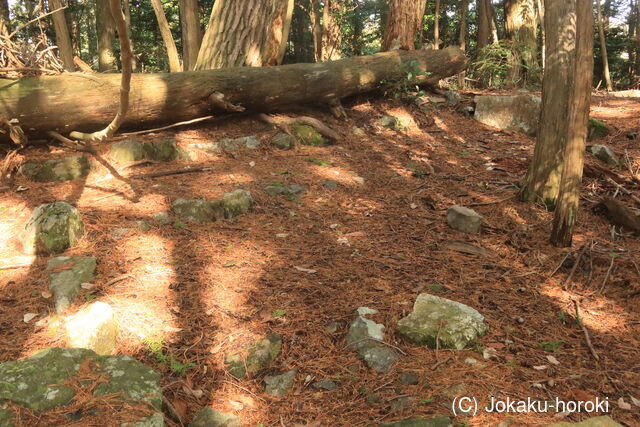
(52, 228)
(229, 205)
(260, 355)
(605, 154)
(464, 219)
(66, 284)
(64, 169)
(41, 382)
(366, 337)
(518, 113)
(453, 324)
(209, 417)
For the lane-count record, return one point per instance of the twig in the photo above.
(20, 27)
(561, 263)
(188, 122)
(116, 280)
(173, 172)
(624, 190)
(585, 331)
(606, 277)
(567, 282)
(632, 294)
(435, 365)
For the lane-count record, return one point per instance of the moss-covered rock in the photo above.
(596, 130)
(283, 141)
(198, 210)
(259, 356)
(66, 284)
(161, 151)
(605, 154)
(280, 385)
(437, 421)
(64, 169)
(236, 202)
(308, 135)
(127, 151)
(453, 324)
(209, 417)
(94, 327)
(52, 228)
(40, 382)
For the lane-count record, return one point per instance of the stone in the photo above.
(40, 381)
(401, 403)
(365, 311)
(292, 191)
(280, 385)
(65, 169)
(283, 141)
(161, 151)
(453, 98)
(330, 184)
(365, 337)
(373, 398)
(162, 218)
(127, 151)
(390, 122)
(409, 378)
(250, 142)
(120, 233)
(456, 324)
(603, 421)
(454, 391)
(155, 420)
(605, 154)
(65, 284)
(209, 417)
(518, 113)
(236, 202)
(325, 384)
(52, 228)
(468, 111)
(143, 225)
(94, 327)
(308, 135)
(464, 219)
(198, 210)
(332, 327)
(596, 130)
(437, 421)
(260, 355)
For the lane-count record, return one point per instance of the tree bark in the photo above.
(542, 182)
(543, 32)
(464, 13)
(316, 29)
(167, 37)
(520, 26)
(487, 30)
(603, 49)
(106, 31)
(191, 33)
(63, 38)
(436, 26)
(403, 23)
(88, 103)
(4, 18)
(332, 33)
(580, 96)
(245, 33)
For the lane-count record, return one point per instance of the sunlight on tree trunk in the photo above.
(63, 39)
(436, 26)
(106, 30)
(543, 35)
(603, 49)
(332, 33)
(245, 33)
(403, 23)
(462, 37)
(580, 98)
(167, 37)
(316, 29)
(487, 30)
(4, 18)
(520, 27)
(191, 34)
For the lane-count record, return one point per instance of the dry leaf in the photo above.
(87, 286)
(624, 405)
(305, 270)
(46, 294)
(490, 353)
(28, 317)
(553, 360)
(635, 401)
(540, 367)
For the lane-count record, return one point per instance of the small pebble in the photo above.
(408, 378)
(520, 320)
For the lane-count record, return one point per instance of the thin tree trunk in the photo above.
(543, 34)
(464, 12)
(403, 23)
(332, 33)
(167, 37)
(542, 182)
(245, 33)
(106, 31)
(4, 18)
(436, 26)
(603, 49)
(487, 30)
(520, 27)
(580, 97)
(63, 39)
(127, 19)
(316, 29)
(191, 34)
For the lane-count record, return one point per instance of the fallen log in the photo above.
(86, 102)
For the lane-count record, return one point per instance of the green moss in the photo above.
(52, 228)
(127, 151)
(308, 135)
(162, 151)
(597, 130)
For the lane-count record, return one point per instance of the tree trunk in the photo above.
(487, 30)
(127, 19)
(542, 182)
(106, 31)
(167, 37)
(88, 103)
(4, 18)
(543, 33)
(464, 12)
(191, 34)
(245, 33)
(403, 23)
(520, 26)
(580, 96)
(63, 39)
(316, 29)
(603, 49)
(332, 33)
(436, 26)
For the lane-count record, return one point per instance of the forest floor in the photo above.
(294, 267)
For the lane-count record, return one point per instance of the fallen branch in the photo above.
(173, 172)
(567, 281)
(624, 190)
(175, 125)
(284, 122)
(585, 331)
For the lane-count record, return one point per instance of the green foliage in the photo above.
(155, 347)
(551, 346)
(492, 64)
(406, 87)
(318, 162)
(279, 313)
